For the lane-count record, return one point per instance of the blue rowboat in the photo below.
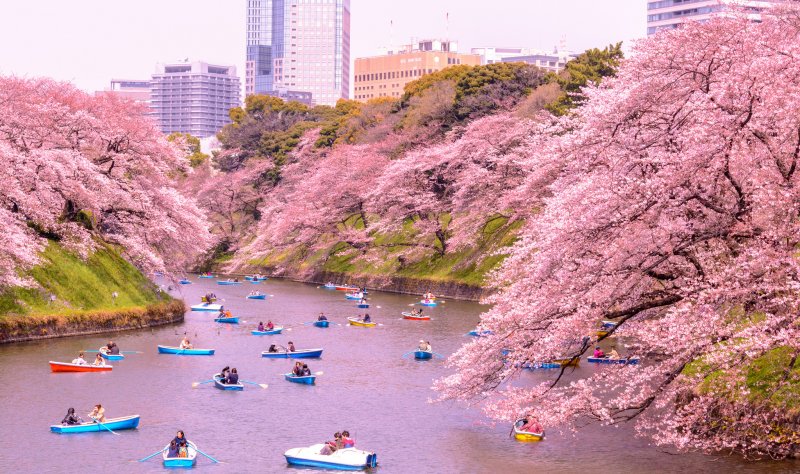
(107, 356)
(206, 276)
(329, 286)
(226, 386)
(252, 278)
(347, 459)
(121, 423)
(206, 307)
(423, 355)
(427, 303)
(271, 332)
(541, 365)
(233, 320)
(609, 324)
(185, 282)
(477, 333)
(354, 296)
(621, 360)
(362, 305)
(302, 354)
(228, 283)
(322, 324)
(306, 379)
(188, 461)
(256, 297)
(179, 351)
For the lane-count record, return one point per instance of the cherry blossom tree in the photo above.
(79, 167)
(674, 214)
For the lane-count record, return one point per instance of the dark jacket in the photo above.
(70, 419)
(113, 349)
(232, 378)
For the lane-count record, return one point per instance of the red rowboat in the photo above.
(415, 318)
(68, 367)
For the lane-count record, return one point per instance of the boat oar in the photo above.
(204, 454)
(407, 353)
(154, 454)
(262, 385)
(123, 352)
(438, 355)
(106, 427)
(195, 384)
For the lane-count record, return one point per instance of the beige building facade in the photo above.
(387, 75)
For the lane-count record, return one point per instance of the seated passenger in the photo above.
(291, 346)
(71, 419)
(613, 354)
(185, 343)
(297, 370)
(306, 371)
(270, 326)
(347, 441)
(99, 360)
(98, 413)
(531, 425)
(173, 449)
(322, 317)
(272, 348)
(367, 319)
(112, 348)
(233, 377)
(260, 326)
(598, 353)
(79, 360)
(224, 373)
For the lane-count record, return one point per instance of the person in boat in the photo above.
(322, 317)
(80, 360)
(270, 326)
(221, 312)
(260, 326)
(363, 300)
(598, 353)
(297, 370)
(98, 360)
(424, 346)
(419, 312)
(272, 348)
(306, 371)
(613, 354)
(98, 413)
(179, 445)
(233, 377)
(71, 418)
(112, 348)
(347, 441)
(331, 447)
(530, 425)
(186, 343)
(291, 346)
(228, 313)
(223, 374)
(367, 319)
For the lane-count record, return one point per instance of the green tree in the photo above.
(191, 146)
(591, 66)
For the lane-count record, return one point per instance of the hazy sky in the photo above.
(89, 42)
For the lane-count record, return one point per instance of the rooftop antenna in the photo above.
(391, 36)
(447, 29)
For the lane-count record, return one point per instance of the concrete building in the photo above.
(299, 49)
(137, 90)
(553, 62)
(386, 75)
(193, 97)
(670, 14)
(491, 55)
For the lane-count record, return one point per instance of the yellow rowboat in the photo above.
(526, 435)
(358, 322)
(602, 332)
(568, 362)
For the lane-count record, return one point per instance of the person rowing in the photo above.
(613, 354)
(291, 346)
(186, 343)
(530, 425)
(178, 446)
(598, 353)
(233, 377)
(270, 326)
(367, 319)
(98, 360)
(331, 447)
(260, 326)
(272, 348)
(71, 418)
(98, 413)
(297, 370)
(425, 346)
(305, 371)
(223, 375)
(322, 317)
(112, 348)
(80, 359)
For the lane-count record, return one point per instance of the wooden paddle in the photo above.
(195, 384)
(204, 454)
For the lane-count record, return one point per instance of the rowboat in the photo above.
(609, 324)
(206, 307)
(206, 276)
(322, 324)
(188, 461)
(233, 320)
(329, 286)
(427, 303)
(347, 459)
(413, 317)
(205, 300)
(347, 288)
(520, 435)
(184, 282)
(306, 379)
(477, 333)
(568, 361)
(423, 355)
(301, 354)
(360, 323)
(608, 360)
(121, 423)
(362, 305)
(105, 355)
(256, 297)
(69, 367)
(269, 332)
(541, 365)
(602, 333)
(354, 296)
(179, 351)
(253, 278)
(227, 283)
(227, 386)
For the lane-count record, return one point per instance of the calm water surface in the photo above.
(367, 388)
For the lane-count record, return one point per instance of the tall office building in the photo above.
(193, 97)
(669, 14)
(137, 90)
(386, 75)
(299, 49)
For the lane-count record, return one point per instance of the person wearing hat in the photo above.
(424, 346)
(598, 353)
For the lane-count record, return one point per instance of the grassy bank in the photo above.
(76, 296)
